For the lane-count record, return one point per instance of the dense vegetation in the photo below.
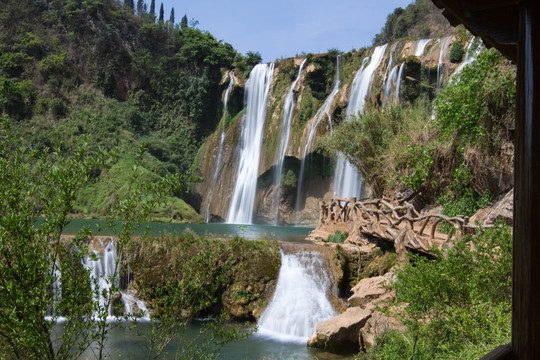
(113, 74)
(461, 158)
(420, 19)
(456, 305)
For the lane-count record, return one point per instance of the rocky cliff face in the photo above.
(408, 69)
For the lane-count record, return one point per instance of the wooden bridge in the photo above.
(401, 224)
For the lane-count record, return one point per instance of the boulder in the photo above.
(502, 209)
(370, 292)
(341, 333)
(376, 326)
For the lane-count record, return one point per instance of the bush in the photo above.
(456, 52)
(337, 237)
(459, 301)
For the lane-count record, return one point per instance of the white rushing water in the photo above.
(445, 42)
(243, 198)
(392, 84)
(322, 113)
(286, 120)
(218, 166)
(104, 268)
(421, 46)
(347, 180)
(470, 56)
(300, 300)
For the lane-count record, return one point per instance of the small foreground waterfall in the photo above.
(347, 182)
(104, 267)
(243, 198)
(288, 107)
(220, 149)
(323, 112)
(299, 302)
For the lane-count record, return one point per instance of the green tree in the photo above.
(184, 22)
(44, 185)
(140, 7)
(160, 19)
(171, 18)
(153, 7)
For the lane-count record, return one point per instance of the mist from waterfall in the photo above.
(300, 300)
(322, 113)
(243, 198)
(286, 120)
(218, 165)
(347, 180)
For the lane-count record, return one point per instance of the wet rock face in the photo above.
(243, 300)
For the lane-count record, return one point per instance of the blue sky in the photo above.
(284, 28)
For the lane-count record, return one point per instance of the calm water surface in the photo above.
(212, 230)
(126, 344)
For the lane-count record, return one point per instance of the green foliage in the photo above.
(289, 179)
(37, 184)
(337, 237)
(419, 19)
(474, 106)
(419, 161)
(456, 52)
(459, 301)
(367, 140)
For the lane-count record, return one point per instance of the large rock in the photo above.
(341, 333)
(502, 209)
(370, 292)
(377, 325)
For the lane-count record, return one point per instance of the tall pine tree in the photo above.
(153, 7)
(140, 7)
(171, 18)
(184, 23)
(161, 14)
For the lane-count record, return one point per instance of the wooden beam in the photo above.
(526, 245)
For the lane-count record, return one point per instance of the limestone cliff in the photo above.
(408, 69)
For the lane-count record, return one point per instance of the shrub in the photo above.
(459, 301)
(337, 237)
(456, 52)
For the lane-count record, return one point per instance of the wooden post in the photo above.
(526, 250)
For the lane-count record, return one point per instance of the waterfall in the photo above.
(243, 199)
(392, 84)
(300, 300)
(421, 46)
(323, 112)
(217, 168)
(470, 56)
(445, 42)
(104, 269)
(288, 107)
(347, 182)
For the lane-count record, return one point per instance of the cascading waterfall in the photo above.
(300, 300)
(288, 107)
(347, 181)
(243, 199)
(220, 149)
(470, 56)
(104, 268)
(323, 112)
(421, 46)
(392, 84)
(445, 42)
